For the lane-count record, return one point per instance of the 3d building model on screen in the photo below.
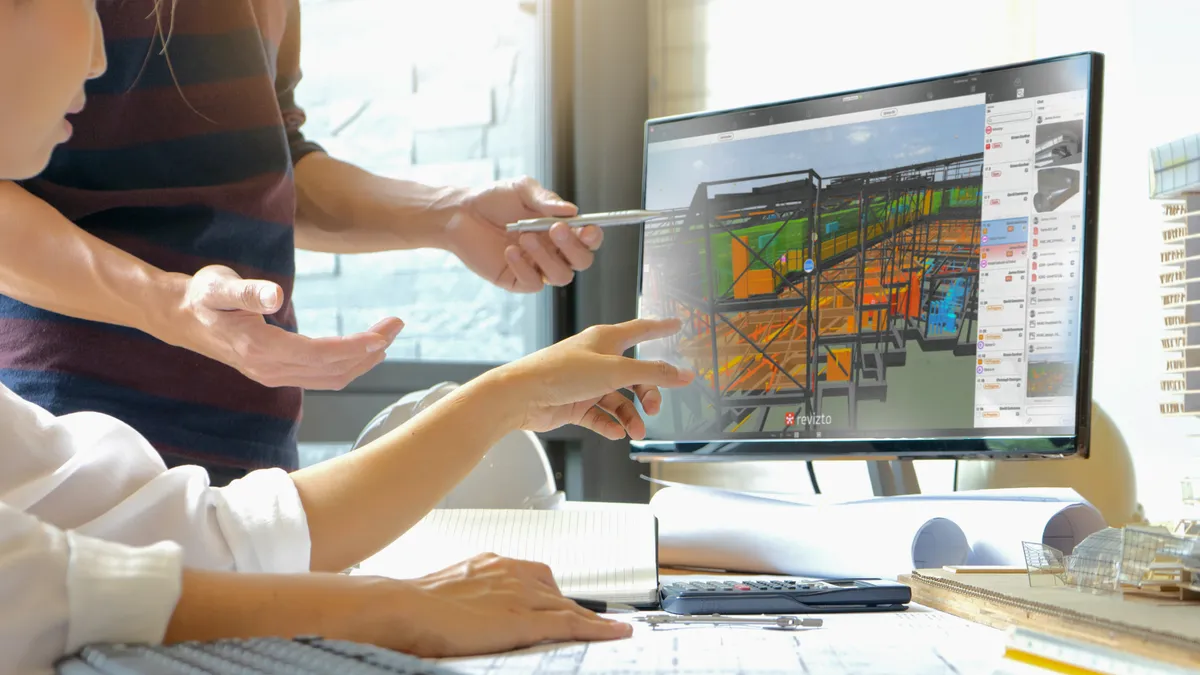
(803, 295)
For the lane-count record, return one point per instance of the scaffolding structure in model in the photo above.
(808, 288)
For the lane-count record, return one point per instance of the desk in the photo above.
(918, 641)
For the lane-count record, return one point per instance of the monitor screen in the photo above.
(906, 269)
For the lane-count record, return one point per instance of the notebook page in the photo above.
(598, 554)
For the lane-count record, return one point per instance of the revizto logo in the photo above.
(792, 419)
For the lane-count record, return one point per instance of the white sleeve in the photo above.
(97, 476)
(61, 590)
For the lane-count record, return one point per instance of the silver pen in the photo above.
(611, 219)
(789, 622)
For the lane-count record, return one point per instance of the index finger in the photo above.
(563, 626)
(538, 199)
(637, 331)
(625, 372)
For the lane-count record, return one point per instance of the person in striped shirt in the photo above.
(147, 273)
(101, 542)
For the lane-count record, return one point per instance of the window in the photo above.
(445, 93)
(1146, 51)
(438, 92)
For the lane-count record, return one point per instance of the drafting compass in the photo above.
(777, 622)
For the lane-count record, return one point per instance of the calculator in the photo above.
(783, 596)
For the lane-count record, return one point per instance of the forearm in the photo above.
(48, 262)
(220, 605)
(344, 209)
(360, 502)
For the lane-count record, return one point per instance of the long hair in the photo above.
(164, 32)
(163, 15)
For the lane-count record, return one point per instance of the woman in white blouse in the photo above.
(100, 543)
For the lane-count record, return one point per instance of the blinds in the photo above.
(1175, 181)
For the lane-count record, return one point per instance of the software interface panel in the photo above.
(899, 263)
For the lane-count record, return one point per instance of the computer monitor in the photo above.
(905, 271)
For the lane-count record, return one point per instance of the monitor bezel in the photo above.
(1006, 447)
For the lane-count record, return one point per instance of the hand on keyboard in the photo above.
(484, 605)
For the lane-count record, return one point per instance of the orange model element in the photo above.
(749, 282)
(741, 260)
(837, 365)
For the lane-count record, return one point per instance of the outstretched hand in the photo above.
(579, 380)
(223, 319)
(522, 263)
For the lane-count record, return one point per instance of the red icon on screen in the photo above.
(789, 419)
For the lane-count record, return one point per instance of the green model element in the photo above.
(794, 239)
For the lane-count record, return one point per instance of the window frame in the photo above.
(593, 85)
(339, 417)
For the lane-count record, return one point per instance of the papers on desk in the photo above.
(882, 537)
(995, 522)
(599, 554)
(918, 641)
(723, 530)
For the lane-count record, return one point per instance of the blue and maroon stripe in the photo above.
(182, 165)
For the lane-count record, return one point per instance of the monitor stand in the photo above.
(890, 478)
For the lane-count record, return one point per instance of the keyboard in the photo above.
(783, 596)
(302, 656)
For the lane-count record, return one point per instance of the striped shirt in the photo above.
(183, 161)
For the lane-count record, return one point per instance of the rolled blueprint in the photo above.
(717, 529)
(996, 522)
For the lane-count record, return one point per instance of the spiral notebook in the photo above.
(607, 552)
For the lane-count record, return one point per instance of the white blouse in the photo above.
(95, 532)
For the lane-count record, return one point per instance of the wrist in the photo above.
(502, 391)
(445, 206)
(388, 612)
(215, 605)
(163, 307)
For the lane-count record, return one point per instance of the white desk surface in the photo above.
(917, 641)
